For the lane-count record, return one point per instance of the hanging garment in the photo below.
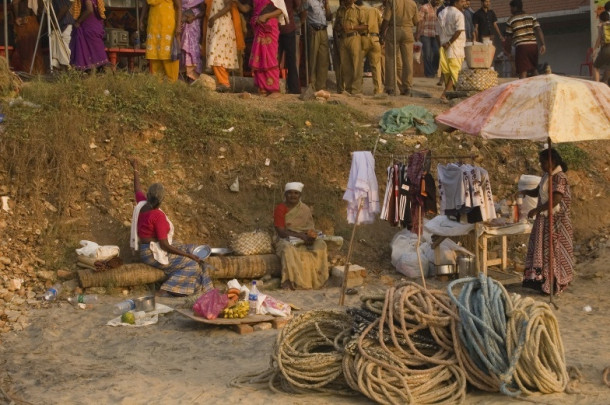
(362, 186)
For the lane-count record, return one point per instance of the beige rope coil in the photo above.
(306, 357)
(542, 365)
(401, 373)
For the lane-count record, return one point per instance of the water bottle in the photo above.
(253, 298)
(52, 292)
(124, 306)
(83, 299)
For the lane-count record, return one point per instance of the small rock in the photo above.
(262, 326)
(46, 275)
(66, 274)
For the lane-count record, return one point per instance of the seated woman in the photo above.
(151, 235)
(537, 269)
(304, 265)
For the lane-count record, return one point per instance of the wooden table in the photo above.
(485, 234)
(129, 53)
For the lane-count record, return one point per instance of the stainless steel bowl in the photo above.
(202, 251)
(145, 304)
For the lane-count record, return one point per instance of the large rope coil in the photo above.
(411, 360)
(507, 343)
(306, 357)
(541, 366)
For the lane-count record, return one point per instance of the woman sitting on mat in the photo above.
(151, 235)
(537, 274)
(303, 255)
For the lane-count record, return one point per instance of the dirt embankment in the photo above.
(81, 188)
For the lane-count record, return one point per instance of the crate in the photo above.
(480, 56)
(116, 38)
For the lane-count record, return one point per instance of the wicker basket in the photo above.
(476, 79)
(127, 275)
(245, 266)
(252, 243)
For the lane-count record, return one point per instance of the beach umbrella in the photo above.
(542, 108)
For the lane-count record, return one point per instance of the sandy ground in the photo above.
(68, 355)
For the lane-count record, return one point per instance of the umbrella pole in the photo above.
(349, 255)
(551, 246)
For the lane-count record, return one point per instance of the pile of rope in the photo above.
(307, 356)
(405, 355)
(507, 343)
(414, 345)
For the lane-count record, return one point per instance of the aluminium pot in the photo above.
(145, 304)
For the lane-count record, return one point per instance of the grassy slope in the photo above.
(73, 153)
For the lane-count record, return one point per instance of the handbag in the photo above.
(252, 243)
(176, 49)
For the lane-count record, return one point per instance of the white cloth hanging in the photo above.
(362, 185)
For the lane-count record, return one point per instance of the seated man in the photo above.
(303, 255)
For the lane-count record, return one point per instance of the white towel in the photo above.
(362, 185)
(133, 237)
(33, 5)
(283, 18)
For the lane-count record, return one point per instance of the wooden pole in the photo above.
(551, 244)
(349, 255)
(419, 231)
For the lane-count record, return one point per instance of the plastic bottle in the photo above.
(83, 299)
(124, 306)
(52, 292)
(253, 298)
(136, 40)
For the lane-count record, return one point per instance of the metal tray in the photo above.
(202, 251)
(221, 251)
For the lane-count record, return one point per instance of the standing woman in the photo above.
(164, 17)
(192, 14)
(266, 14)
(87, 49)
(536, 263)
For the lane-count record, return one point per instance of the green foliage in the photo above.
(575, 157)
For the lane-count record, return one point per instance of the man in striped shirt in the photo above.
(525, 32)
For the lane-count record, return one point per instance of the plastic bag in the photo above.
(274, 307)
(417, 51)
(95, 251)
(210, 304)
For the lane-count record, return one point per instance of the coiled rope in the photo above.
(306, 356)
(504, 343)
(394, 369)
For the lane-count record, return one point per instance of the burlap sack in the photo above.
(252, 243)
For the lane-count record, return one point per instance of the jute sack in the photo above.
(476, 79)
(252, 243)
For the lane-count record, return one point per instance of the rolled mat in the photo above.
(252, 266)
(127, 275)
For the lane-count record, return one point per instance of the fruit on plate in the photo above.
(128, 317)
(239, 310)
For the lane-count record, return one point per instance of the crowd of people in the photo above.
(197, 36)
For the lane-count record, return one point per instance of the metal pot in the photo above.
(146, 303)
(442, 269)
(466, 266)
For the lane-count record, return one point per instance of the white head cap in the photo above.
(294, 186)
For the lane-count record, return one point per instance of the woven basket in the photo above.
(127, 275)
(476, 79)
(252, 243)
(253, 266)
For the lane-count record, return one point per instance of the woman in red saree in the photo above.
(266, 14)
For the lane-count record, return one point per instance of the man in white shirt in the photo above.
(452, 38)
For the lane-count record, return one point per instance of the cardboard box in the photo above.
(480, 56)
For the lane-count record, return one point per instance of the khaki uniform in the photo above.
(336, 54)
(371, 48)
(351, 48)
(406, 20)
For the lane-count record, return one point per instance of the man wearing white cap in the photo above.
(303, 256)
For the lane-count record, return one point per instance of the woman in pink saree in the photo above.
(266, 14)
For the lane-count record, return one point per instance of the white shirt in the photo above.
(451, 20)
